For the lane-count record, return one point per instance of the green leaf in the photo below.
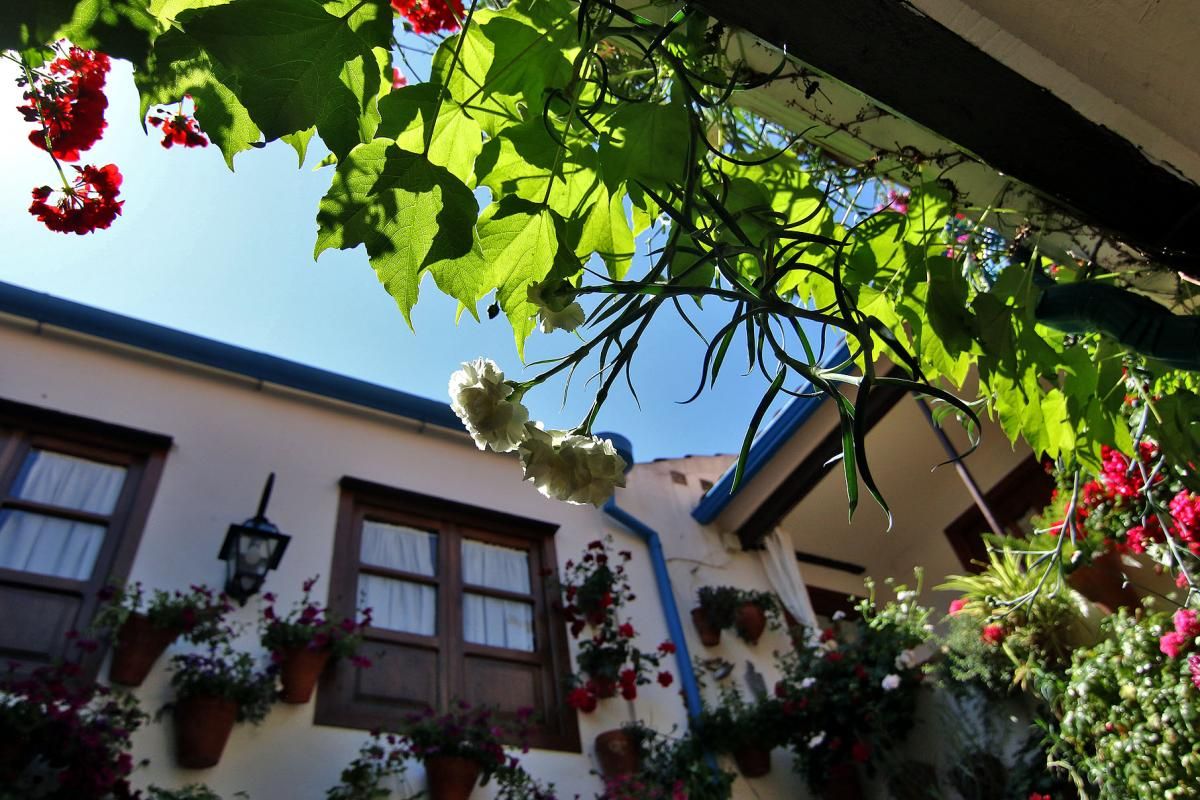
(505, 66)
(299, 142)
(410, 213)
(605, 230)
(454, 139)
(647, 142)
(525, 161)
(334, 86)
(32, 24)
(178, 66)
(522, 243)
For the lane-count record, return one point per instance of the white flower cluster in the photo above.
(557, 309)
(483, 401)
(562, 465)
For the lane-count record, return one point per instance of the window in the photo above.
(74, 495)
(460, 612)
(1019, 495)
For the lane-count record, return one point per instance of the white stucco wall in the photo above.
(229, 433)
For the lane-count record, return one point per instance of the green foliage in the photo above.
(192, 791)
(719, 604)
(1130, 714)
(735, 724)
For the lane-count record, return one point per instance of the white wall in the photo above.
(229, 433)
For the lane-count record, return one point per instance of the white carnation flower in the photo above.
(906, 595)
(890, 683)
(815, 741)
(808, 683)
(557, 310)
(569, 467)
(839, 615)
(482, 400)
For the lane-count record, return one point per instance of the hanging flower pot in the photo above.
(750, 621)
(617, 752)
(1103, 581)
(753, 762)
(299, 669)
(604, 687)
(451, 777)
(843, 784)
(202, 727)
(710, 635)
(137, 646)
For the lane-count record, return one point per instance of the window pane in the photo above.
(495, 567)
(399, 605)
(498, 623)
(49, 545)
(399, 547)
(70, 482)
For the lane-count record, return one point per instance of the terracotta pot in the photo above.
(710, 635)
(299, 669)
(843, 784)
(138, 645)
(604, 687)
(753, 762)
(750, 621)
(617, 752)
(202, 726)
(1101, 582)
(451, 777)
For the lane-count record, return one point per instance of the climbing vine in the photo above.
(553, 139)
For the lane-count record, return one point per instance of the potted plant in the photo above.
(193, 791)
(142, 628)
(608, 659)
(63, 737)
(746, 730)
(619, 751)
(303, 640)
(717, 610)
(754, 610)
(213, 690)
(462, 747)
(850, 692)
(670, 768)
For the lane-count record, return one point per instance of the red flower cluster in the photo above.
(1187, 629)
(68, 103)
(1194, 668)
(89, 204)
(398, 79)
(179, 129)
(430, 16)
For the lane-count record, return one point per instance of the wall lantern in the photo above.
(251, 550)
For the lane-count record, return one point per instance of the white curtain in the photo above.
(491, 620)
(779, 562)
(397, 604)
(46, 545)
(70, 482)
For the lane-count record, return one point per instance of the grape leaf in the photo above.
(454, 139)
(410, 213)
(525, 161)
(647, 142)
(334, 86)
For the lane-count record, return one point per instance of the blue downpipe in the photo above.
(658, 561)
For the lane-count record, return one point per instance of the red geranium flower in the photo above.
(179, 129)
(860, 752)
(89, 204)
(627, 630)
(430, 16)
(399, 81)
(71, 110)
(665, 678)
(666, 647)
(582, 699)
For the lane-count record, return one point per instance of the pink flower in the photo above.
(1187, 623)
(957, 605)
(993, 634)
(1172, 644)
(1194, 668)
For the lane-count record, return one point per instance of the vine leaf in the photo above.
(179, 66)
(522, 244)
(521, 161)
(647, 143)
(455, 139)
(334, 87)
(411, 214)
(605, 230)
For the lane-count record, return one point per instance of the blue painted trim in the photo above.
(658, 560)
(765, 446)
(49, 310)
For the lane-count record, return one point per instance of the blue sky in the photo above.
(228, 255)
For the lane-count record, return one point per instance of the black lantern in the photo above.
(251, 550)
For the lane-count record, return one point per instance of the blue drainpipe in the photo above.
(658, 560)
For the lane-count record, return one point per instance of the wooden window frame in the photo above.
(1026, 486)
(142, 454)
(453, 521)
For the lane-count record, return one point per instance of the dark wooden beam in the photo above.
(805, 476)
(913, 65)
